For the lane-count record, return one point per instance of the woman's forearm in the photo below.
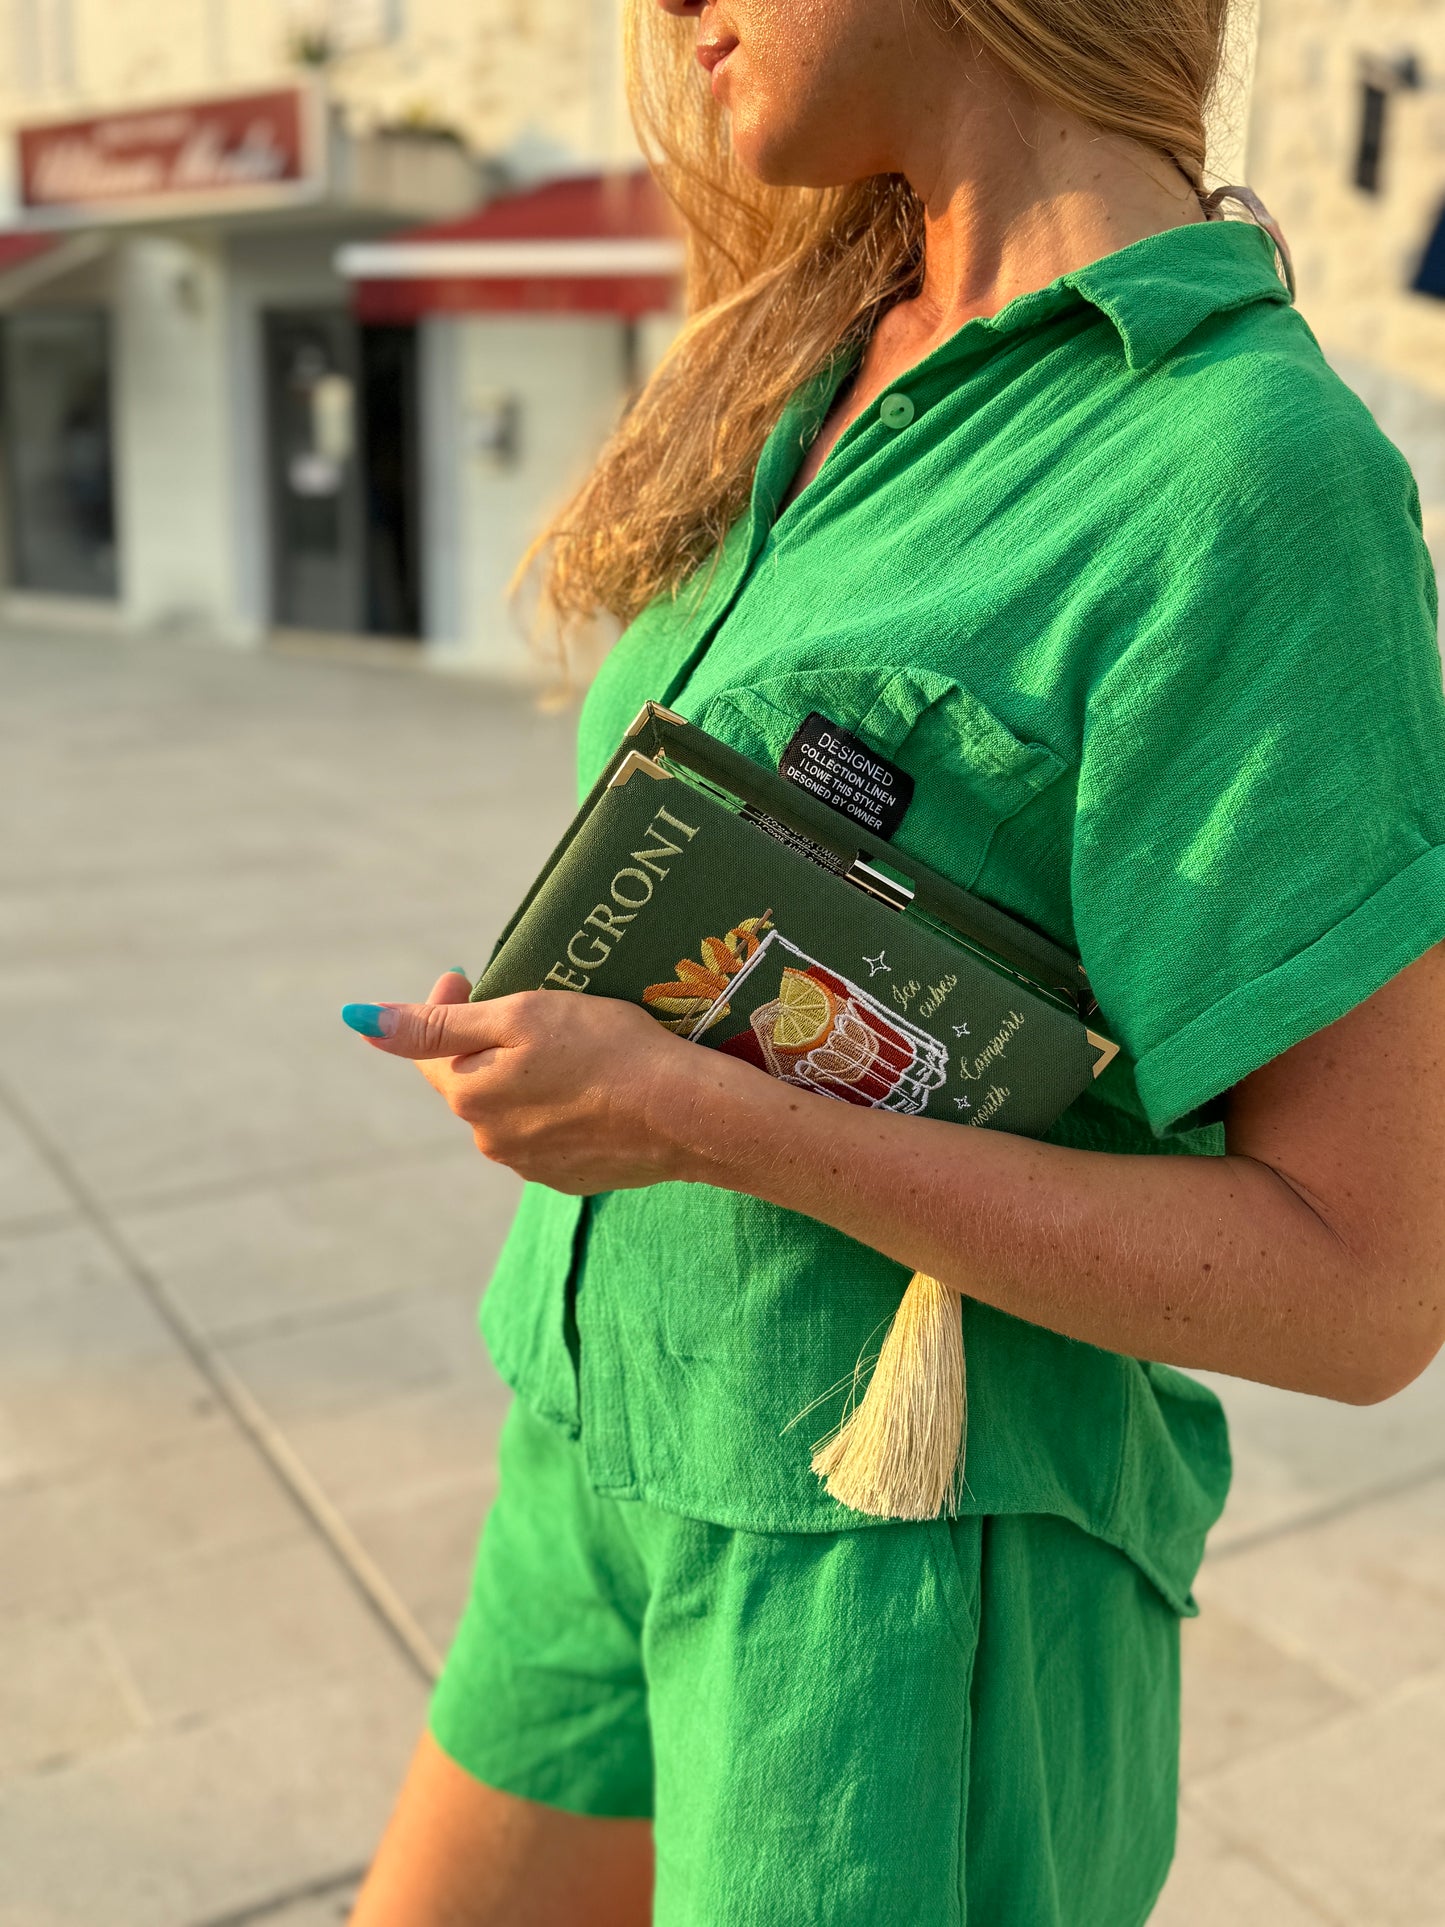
(1212, 1262)
(1308, 1258)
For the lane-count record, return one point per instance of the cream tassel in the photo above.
(899, 1453)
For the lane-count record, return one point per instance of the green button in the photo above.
(896, 411)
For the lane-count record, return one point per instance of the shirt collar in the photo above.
(1155, 292)
(1158, 291)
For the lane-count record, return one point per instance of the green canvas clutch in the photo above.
(745, 914)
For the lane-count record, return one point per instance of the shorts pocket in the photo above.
(956, 1546)
(971, 771)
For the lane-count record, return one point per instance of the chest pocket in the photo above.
(971, 771)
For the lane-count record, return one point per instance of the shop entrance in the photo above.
(57, 451)
(344, 474)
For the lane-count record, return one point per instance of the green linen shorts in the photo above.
(903, 1725)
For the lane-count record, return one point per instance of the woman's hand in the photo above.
(584, 1094)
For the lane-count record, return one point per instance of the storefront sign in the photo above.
(240, 149)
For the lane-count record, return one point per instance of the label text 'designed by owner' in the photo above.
(631, 890)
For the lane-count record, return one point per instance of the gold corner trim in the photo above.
(632, 763)
(1107, 1049)
(652, 712)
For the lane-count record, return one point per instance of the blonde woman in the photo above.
(985, 444)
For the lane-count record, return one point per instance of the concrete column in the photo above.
(174, 474)
(439, 353)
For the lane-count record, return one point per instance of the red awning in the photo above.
(31, 261)
(596, 244)
(16, 249)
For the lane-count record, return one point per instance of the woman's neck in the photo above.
(1016, 193)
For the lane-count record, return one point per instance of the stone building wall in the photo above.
(1357, 252)
(537, 82)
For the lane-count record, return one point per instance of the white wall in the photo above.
(567, 375)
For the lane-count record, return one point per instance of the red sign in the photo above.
(214, 150)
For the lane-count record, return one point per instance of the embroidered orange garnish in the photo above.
(699, 986)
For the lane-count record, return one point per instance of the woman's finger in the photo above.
(440, 1029)
(455, 987)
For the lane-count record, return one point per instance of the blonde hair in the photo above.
(780, 279)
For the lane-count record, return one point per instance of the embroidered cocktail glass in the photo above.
(827, 1034)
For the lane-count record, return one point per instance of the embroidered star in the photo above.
(960, 1030)
(964, 1103)
(880, 962)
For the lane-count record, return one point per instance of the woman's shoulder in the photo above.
(1282, 528)
(1273, 431)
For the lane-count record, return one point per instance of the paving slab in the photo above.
(208, 1497)
(426, 1547)
(30, 1192)
(1243, 1692)
(277, 763)
(1353, 1816)
(1297, 1456)
(37, 1556)
(199, 1822)
(163, 1089)
(330, 1907)
(274, 1253)
(12, 1455)
(405, 1446)
(62, 1694)
(339, 1363)
(204, 1640)
(88, 1371)
(1214, 1884)
(1360, 1599)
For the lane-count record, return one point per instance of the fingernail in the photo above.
(460, 970)
(372, 1020)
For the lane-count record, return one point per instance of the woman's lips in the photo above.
(712, 53)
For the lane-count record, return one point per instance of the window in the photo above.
(347, 26)
(1374, 105)
(365, 23)
(55, 443)
(1380, 81)
(1430, 276)
(45, 45)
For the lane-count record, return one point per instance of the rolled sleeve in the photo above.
(1260, 839)
(1263, 1018)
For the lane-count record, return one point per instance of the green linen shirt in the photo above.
(1132, 586)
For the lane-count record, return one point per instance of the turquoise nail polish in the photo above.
(367, 1018)
(460, 970)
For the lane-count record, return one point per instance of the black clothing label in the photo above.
(841, 770)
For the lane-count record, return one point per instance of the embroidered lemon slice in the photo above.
(804, 1014)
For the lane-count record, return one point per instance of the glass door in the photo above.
(392, 464)
(57, 447)
(317, 511)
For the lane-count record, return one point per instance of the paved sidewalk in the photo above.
(246, 1429)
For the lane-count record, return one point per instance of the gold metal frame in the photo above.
(646, 714)
(1106, 1046)
(632, 763)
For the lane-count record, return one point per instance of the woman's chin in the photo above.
(783, 158)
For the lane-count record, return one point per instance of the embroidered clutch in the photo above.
(747, 915)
